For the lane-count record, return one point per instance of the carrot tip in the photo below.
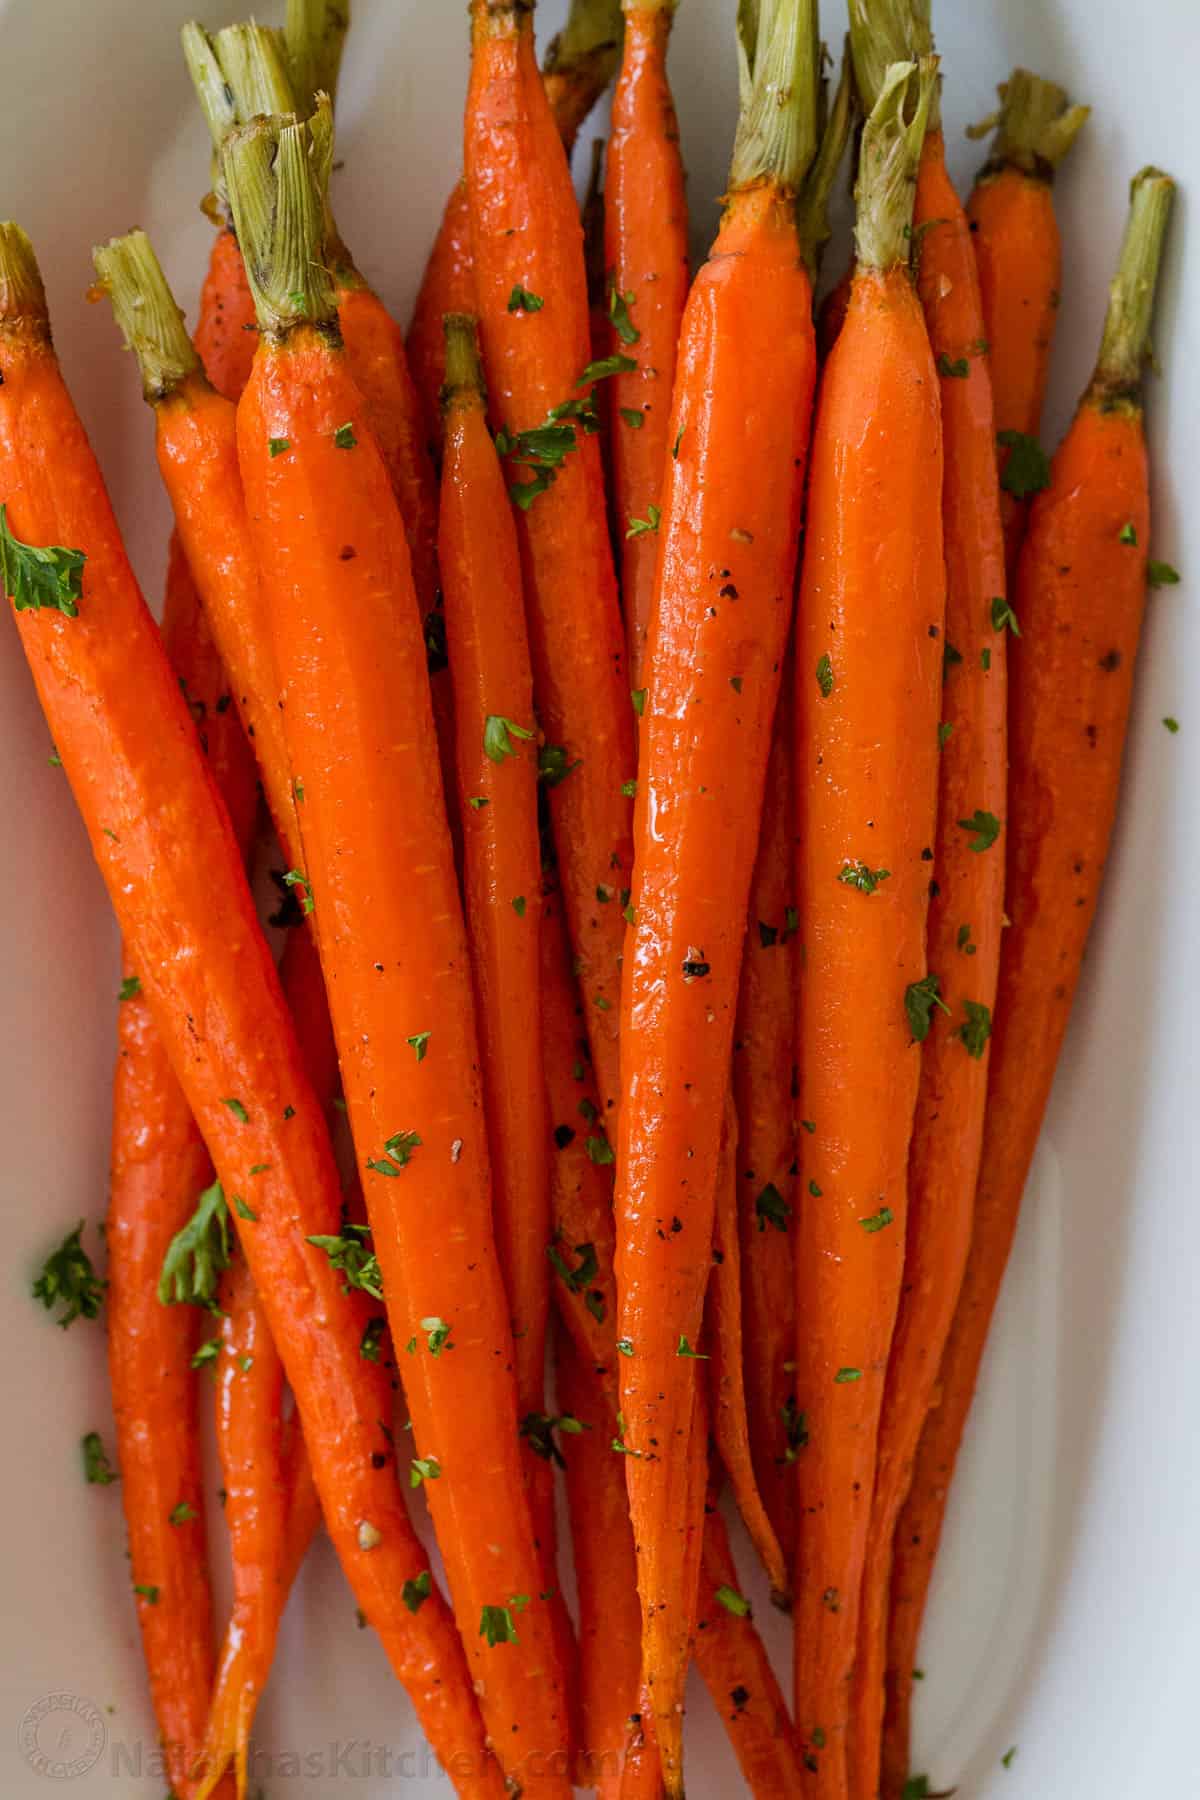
(277, 174)
(1126, 339)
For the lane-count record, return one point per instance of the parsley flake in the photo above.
(521, 300)
(858, 875)
(344, 437)
(984, 825)
(1026, 468)
(498, 735)
(638, 527)
(97, 1470)
(920, 998)
(36, 579)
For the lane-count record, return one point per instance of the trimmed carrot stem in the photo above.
(154, 818)
(1080, 597)
(868, 674)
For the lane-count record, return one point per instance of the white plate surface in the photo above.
(1064, 1620)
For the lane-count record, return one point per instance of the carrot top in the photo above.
(780, 60)
(883, 32)
(582, 59)
(277, 177)
(887, 165)
(1125, 344)
(146, 313)
(314, 38)
(812, 206)
(22, 295)
(1034, 126)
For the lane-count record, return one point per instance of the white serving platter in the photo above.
(1065, 1619)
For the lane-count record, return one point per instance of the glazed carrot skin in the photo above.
(526, 233)
(764, 1069)
(226, 330)
(271, 1509)
(646, 229)
(579, 66)
(972, 776)
(605, 1571)
(393, 946)
(740, 1679)
(1018, 253)
(130, 751)
(1080, 597)
(159, 1166)
(498, 802)
(722, 612)
(868, 680)
(728, 1373)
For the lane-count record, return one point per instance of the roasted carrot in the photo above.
(764, 1071)
(1079, 601)
(737, 1672)
(727, 1379)
(154, 818)
(949, 1012)
(579, 65)
(271, 1509)
(868, 669)
(730, 523)
(359, 728)
(646, 244)
(582, 1245)
(226, 333)
(497, 766)
(605, 1572)
(533, 316)
(1019, 257)
(196, 443)
(159, 1166)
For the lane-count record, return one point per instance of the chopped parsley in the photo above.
(207, 1353)
(606, 366)
(976, 1028)
(959, 366)
(277, 446)
(553, 766)
(518, 905)
(420, 1043)
(147, 1592)
(437, 1335)
(183, 1514)
(97, 1470)
(1171, 724)
(69, 1280)
(37, 579)
(1026, 468)
(583, 1274)
(984, 826)
(198, 1254)
(825, 676)
(638, 527)
(771, 1208)
(920, 998)
(496, 1625)
(423, 1468)
(683, 1348)
(371, 1344)
(397, 1154)
(521, 300)
(414, 1593)
(1161, 574)
(732, 1601)
(297, 879)
(344, 437)
(945, 733)
(618, 312)
(129, 988)
(350, 1256)
(877, 1221)
(239, 1205)
(858, 875)
(498, 735)
(844, 1375)
(638, 696)
(1127, 533)
(1003, 614)
(633, 417)
(600, 1151)
(237, 1109)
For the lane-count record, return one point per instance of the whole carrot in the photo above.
(130, 751)
(497, 765)
(737, 1672)
(1019, 257)
(159, 1166)
(533, 317)
(579, 65)
(646, 244)
(359, 728)
(730, 523)
(728, 1378)
(868, 673)
(1080, 596)
(950, 1010)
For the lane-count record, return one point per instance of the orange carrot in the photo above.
(1079, 601)
(154, 818)
(579, 65)
(723, 1342)
(764, 1071)
(868, 667)
(497, 765)
(647, 262)
(359, 728)
(159, 1165)
(730, 522)
(965, 913)
(532, 306)
(737, 1672)
(1019, 257)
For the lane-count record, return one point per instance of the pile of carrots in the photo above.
(691, 726)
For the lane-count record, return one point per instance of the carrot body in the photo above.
(868, 679)
(360, 731)
(159, 1167)
(526, 233)
(764, 1070)
(573, 85)
(226, 329)
(738, 1675)
(647, 258)
(605, 1571)
(972, 774)
(196, 445)
(723, 1342)
(1079, 598)
(154, 819)
(498, 802)
(722, 611)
